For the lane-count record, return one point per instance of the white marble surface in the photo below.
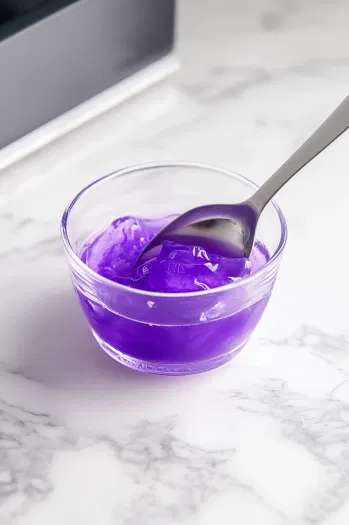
(264, 439)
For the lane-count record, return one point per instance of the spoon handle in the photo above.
(332, 128)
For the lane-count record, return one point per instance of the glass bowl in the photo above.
(168, 333)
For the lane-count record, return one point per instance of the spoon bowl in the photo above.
(228, 228)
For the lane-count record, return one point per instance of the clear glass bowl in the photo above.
(168, 333)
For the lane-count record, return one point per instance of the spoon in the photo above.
(231, 228)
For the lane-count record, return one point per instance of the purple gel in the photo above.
(174, 268)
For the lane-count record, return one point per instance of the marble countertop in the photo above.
(262, 440)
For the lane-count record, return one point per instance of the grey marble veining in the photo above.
(173, 477)
(28, 442)
(262, 440)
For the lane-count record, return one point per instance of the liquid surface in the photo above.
(204, 332)
(174, 268)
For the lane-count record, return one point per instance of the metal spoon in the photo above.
(231, 228)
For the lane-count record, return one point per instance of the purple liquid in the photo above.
(174, 268)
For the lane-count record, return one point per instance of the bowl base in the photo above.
(169, 369)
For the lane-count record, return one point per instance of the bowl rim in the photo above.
(164, 165)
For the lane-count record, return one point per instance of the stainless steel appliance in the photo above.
(55, 54)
